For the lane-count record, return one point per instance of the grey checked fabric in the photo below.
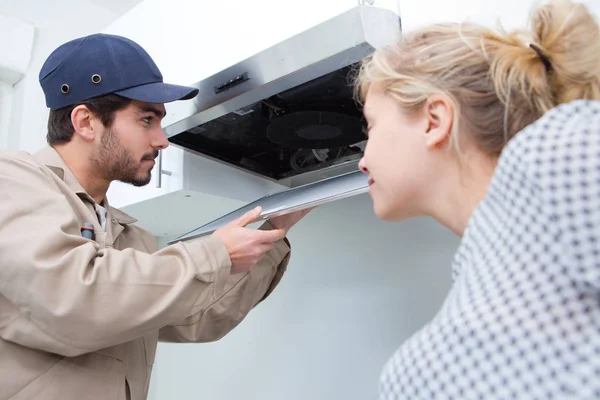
(522, 320)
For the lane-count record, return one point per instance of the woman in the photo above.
(522, 319)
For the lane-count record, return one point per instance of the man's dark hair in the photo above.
(60, 128)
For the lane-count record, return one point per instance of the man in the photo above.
(80, 318)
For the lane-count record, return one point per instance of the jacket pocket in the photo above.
(91, 376)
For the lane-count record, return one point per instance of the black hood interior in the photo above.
(308, 127)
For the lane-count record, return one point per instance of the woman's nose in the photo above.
(362, 165)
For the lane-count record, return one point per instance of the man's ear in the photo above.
(83, 121)
(439, 112)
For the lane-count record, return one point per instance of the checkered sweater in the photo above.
(522, 320)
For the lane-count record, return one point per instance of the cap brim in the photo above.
(159, 93)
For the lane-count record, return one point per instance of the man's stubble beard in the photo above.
(115, 163)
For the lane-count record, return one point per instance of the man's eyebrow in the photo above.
(156, 111)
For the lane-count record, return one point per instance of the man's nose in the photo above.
(160, 141)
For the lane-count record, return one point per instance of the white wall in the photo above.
(6, 99)
(55, 23)
(355, 289)
(16, 42)
(513, 14)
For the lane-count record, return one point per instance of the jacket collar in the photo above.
(49, 157)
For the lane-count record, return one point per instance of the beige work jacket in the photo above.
(79, 318)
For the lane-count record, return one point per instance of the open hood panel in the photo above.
(296, 199)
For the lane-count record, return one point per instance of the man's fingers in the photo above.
(270, 236)
(249, 217)
(266, 247)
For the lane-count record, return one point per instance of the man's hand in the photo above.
(286, 221)
(247, 246)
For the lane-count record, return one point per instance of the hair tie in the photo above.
(542, 56)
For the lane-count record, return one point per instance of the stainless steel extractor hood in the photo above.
(287, 114)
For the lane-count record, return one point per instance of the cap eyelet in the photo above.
(96, 78)
(65, 88)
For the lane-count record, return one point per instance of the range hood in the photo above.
(287, 114)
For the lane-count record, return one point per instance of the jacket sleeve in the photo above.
(239, 297)
(62, 293)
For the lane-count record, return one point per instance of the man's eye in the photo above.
(147, 119)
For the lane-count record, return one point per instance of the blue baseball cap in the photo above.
(101, 64)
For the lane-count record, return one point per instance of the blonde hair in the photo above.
(499, 82)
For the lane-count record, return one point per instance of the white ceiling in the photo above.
(46, 15)
(118, 7)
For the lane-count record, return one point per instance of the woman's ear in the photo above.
(82, 120)
(439, 113)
